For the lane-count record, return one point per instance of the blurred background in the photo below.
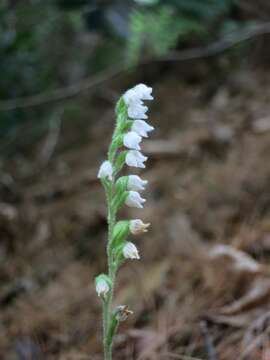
(202, 288)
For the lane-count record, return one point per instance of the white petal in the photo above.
(136, 159)
(130, 251)
(137, 111)
(138, 227)
(136, 183)
(131, 96)
(144, 92)
(134, 200)
(102, 287)
(132, 140)
(105, 170)
(141, 127)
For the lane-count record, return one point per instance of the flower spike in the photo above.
(124, 149)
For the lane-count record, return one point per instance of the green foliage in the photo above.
(160, 28)
(33, 55)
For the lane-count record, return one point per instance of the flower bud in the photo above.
(103, 285)
(141, 127)
(132, 140)
(136, 183)
(105, 170)
(138, 227)
(134, 199)
(130, 251)
(143, 92)
(135, 158)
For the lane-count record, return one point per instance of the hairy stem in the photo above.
(107, 311)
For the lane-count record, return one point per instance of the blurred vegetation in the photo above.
(48, 44)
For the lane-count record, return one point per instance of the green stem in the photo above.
(107, 305)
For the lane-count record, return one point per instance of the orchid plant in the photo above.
(130, 128)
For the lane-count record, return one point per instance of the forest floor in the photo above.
(202, 287)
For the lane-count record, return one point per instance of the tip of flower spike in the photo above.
(144, 91)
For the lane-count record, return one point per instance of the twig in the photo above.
(52, 138)
(61, 93)
(211, 352)
(179, 357)
(89, 83)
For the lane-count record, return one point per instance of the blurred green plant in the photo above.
(34, 56)
(45, 45)
(156, 29)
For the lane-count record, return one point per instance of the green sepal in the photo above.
(119, 200)
(120, 161)
(120, 232)
(104, 277)
(121, 184)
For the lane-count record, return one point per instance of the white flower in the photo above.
(105, 170)
(130, 251)
(102, 287)
(144, 92)
(136, 183)
(137, 111)
(138, 227)
(134, 200)
(131, 96)
(141, 127)
(137, 94)
(135, 158)
(132, 140)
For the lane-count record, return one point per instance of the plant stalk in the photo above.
(107, 311)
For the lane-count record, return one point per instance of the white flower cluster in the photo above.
(133, 99)
(136, 111)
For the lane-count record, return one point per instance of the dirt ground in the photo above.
(202, 287)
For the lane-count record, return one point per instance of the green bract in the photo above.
(120, 161)
(121, 184)
(120, 232)
(104, 277)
